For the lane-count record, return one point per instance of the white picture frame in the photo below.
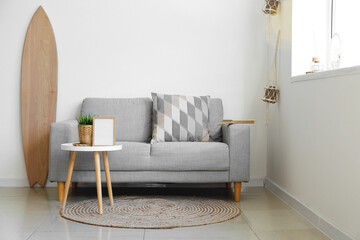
(103, 131)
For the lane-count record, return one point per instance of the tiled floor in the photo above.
(33, 214)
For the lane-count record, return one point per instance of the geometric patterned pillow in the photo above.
(180, 118)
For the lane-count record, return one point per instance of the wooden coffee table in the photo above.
(96, 150)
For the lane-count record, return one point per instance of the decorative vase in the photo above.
(85, 134)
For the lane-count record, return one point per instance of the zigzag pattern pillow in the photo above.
(180, 118)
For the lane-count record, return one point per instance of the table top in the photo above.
(245, 121)
(71, 147)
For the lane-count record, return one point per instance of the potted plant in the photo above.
(85, 128)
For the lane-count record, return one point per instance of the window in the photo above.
(346, 18)
(316, 26)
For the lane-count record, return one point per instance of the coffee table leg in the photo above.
(68, 178)
(98, 180)
(108, 179)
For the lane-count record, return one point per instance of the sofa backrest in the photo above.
(134, 116)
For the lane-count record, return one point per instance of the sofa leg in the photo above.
(74, 185)
(237, 191)
(61, 190)
(228, 185)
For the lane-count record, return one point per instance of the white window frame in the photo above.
(346, 71)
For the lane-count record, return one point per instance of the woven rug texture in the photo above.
(152, 212)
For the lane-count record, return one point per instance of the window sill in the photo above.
(327, 74)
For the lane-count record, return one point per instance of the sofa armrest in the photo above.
(237, 136)
(61, 132)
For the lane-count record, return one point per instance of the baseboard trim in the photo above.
(14, 182)
(21, 182)
(320, 223)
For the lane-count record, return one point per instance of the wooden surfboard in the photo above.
(38, 95)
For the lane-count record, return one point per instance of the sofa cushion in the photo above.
(216, 115)
(190, 156)
(133, 156)
(180, 118)
(133, 116)
(167, 156)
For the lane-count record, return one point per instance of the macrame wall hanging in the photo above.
(271, 6)
(271, 88)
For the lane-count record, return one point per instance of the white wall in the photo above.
(313, 139)
(131, 48)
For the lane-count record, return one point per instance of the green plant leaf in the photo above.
(86, 119)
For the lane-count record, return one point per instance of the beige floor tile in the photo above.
(255, 191)
(237, 224)
(104, 234)
(303, 234)
(263, 202)
(18, 214)
(241, 233)
(55, 223)
(236, 228)
(33, 214)
(14, 234)
(276, 220)
(14, 192)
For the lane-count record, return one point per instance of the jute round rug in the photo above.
(152, 212)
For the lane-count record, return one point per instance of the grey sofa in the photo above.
(224, 159)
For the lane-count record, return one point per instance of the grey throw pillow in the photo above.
(180, 118)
